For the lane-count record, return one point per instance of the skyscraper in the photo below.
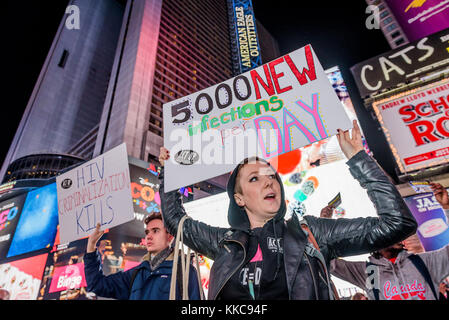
(158, 51)
(68, 97)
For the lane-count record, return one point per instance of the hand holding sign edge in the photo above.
(350, 145)
(93, 238)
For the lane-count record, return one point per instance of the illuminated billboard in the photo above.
(244, 40)
(38, 222)
(22, 278)
(10, 211)
(312, 177)
(420, 18)
(416, 126)
(145, 197)
(433, 228)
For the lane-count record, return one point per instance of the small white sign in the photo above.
(96, 191)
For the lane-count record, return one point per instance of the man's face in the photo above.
(156, 236)
(260, 190)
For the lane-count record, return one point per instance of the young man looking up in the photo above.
(150, 280)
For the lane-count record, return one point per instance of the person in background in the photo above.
(148, 281)
(359, 296)
(393, 273)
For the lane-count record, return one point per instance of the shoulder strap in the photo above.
(312, 240)
(375, 290)
(133, 277)
(421, 266)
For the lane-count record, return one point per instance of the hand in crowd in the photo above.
(350, 145)
(326, 212)
(440, 194)
(163, 155)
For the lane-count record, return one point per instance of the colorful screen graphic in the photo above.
(10, 211)
(36, 228)
(433, 228)
(22, 278)
(243, 30)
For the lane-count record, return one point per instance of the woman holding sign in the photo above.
(263, 256)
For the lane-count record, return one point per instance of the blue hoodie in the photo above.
(148, 284)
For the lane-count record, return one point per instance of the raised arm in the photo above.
(345, 237)
(198, 236)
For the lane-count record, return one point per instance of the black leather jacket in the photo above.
(335, 237)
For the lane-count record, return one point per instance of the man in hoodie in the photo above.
(263, 256)
(393, 273)
(148, 281)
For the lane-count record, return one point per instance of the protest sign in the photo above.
(96, 191)
(271, 110)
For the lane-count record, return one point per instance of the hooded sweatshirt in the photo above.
(262, 274)
(398, 280)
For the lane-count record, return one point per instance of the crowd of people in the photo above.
(263, 256)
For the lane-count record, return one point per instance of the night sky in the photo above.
(335, 29)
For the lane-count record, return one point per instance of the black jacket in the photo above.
(336, 238)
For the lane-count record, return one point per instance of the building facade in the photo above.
(106, 83)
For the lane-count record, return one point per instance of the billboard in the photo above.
(416, 125)
(401, 65)
(419, 19)
(22, 278)
(38, 222)
(145, 198)
(63, 277)
(433, 228)
(10, 211)
(244, 39)
(273, 109)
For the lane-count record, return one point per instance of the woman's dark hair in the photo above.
(376, 255)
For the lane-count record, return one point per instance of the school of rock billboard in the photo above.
(416, 125)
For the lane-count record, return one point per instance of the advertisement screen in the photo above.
(433, 228)
(420, 18)
(416, 125)
(37, 225)
(145, 198)
(64, 276)
(402, 65)
(22, 278)
(243, 30)
(10, 211)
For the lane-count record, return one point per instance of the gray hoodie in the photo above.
(398, 281)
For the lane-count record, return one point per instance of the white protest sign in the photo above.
(276, 108)
(96, 191)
